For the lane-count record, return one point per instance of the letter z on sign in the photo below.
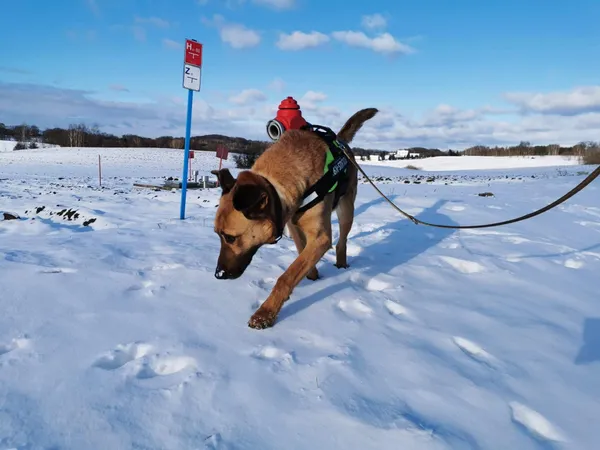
(191, 77)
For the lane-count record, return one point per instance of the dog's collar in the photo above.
(276, 211)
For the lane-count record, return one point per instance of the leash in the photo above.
(591, 177)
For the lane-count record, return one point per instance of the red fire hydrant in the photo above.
(289, 117)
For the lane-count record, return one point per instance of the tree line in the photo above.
(82, 135)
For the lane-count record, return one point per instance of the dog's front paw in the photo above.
(261, 319)
(342, 265)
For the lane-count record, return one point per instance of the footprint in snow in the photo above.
(534, 423)
(455, 208)
(573, 263)
(395, 309)
(121, 355)
(165, 365)
(463, 265)
(279, 358)
(474, 351)
(265, 283)
(355, 309)
(146, 287)
(270, 352)
(14, 344)
(374, 284)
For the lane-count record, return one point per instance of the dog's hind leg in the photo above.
(345, 214)
(300, 240)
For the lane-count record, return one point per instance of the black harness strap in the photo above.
(337, 172)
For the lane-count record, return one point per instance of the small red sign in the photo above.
(191, 154)
(193, 53)
(222, 152)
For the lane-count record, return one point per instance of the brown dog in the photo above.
(255, 207)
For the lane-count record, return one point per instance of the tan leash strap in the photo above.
(591, 177)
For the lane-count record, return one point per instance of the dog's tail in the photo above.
(355, 123)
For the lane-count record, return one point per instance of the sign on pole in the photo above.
(222, 152)
(192, 68)
(193, 53)
(191, 77)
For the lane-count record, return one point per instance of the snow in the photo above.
(453, 163)
(117, 335)
(9, 146)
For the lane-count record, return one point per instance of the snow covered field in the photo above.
(447, 163)
(116, 335)
(9, 146)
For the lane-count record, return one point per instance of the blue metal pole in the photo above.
(186, 152)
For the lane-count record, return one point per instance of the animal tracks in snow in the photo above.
(573, 263)
(355, 309)
(463, 265)
(395, 309)
(455, 208)
(14, 344)
(165, 365)
(121, 355)
(377, 283)
(474, 351)
(144, 364)
(147, 288)
(534, 423)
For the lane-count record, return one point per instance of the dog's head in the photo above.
(248, 217)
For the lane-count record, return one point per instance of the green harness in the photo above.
(335, 171)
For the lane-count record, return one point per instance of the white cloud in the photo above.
(248, 96)
(246, 114)
(576, 101)
(170, 43)
(236, 35)
(300, 41)
(383, 43)
(276, 4)
(313, 97)
(374, 21)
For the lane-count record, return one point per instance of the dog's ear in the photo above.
(251, 200)
(226, 180)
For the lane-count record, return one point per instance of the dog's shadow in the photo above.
(404, 242)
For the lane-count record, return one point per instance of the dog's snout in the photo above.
(221, 274)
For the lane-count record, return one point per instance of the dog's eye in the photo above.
(228, 238)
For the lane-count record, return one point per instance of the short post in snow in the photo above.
(190, 158)
(192, 64)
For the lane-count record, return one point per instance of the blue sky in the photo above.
(443, 73)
